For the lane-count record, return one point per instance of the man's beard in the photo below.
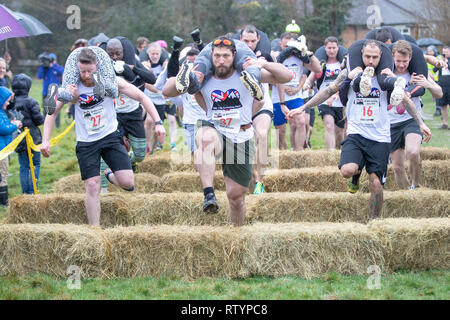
(222, 72)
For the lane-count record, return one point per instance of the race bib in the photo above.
(228, 121)
(445, 71)
(367, 110)
(94, 119)
(124, 102)
(295, 69)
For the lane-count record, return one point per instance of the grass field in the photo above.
(400, 285)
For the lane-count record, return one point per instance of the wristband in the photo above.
(283, 103)
(159, 122)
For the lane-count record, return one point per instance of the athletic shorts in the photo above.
(161, 108)
(110, 148)
(336, 112)
(278, 116)
(171, 109)
(400, 130)
(237, 158)
(366, 153)
(445, 100)
(268, 112)
(131, 123)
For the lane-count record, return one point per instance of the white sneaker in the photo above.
(398, 92)
(103, 190)
(300, 45)
(365, 86)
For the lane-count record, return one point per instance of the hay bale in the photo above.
(51, 249)
(158, 164)
(301, 249)
(144, 182)
(189, 182)
(287, 159)
(325, 179)
(186, 252)
(435, 175)
(343, 207)
(434, 153)
(120, 209)
(69, 184)
(310, 249)
(414, 244)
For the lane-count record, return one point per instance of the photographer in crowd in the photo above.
(51, 72)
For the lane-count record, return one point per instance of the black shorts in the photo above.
(366, 153)
(400, 130)
(445, 100)
(161, 108)
(110, 148)
(268, 112)
(131, 123)
(171, 109)
(336, 112)
(312, 116)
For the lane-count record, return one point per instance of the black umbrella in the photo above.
(425, 42)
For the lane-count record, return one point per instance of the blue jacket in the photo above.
(6, 129)
(50, 75)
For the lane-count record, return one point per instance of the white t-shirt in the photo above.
(125, 104)
(93, 119)
(331, 73)
(398, 113)
(229, 105)
(157, 98)
(368, 116)
(191, 109)
(296, 66)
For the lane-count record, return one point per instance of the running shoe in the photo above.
(252, 85)
(300, 45)
(177, 43)
(398, 92)
(365, 86)
(158, 147)
(99, 87)
(353, 184)
(444, 127)
(50, 101)
(210, 204)
(196, 36)
(103, 190)
(259, 188)
(183, 79)
(173, 147)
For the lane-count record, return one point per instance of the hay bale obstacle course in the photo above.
(120, 209)
(307, 224)
(313, 179)
(302, 249)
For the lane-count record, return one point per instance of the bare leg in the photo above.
(348, 170)
(330, 139)
(261, 125)
(398, 163)
(236, 198)
(300, 132)
(150, 136)
(412, 144)
(376, 196)
(444, 112)
(122, 178)
(172, 128)
(339, 134)
(281, 131)
(209, 145)
(92, 200)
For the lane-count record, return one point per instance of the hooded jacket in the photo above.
(28, 107)
(6, 127)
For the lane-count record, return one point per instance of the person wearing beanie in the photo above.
(32, 117)
(6, 129)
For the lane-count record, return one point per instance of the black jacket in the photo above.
(28, 108)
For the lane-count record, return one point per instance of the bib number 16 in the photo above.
(367, 111)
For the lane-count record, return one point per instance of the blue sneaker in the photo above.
(259, 188)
